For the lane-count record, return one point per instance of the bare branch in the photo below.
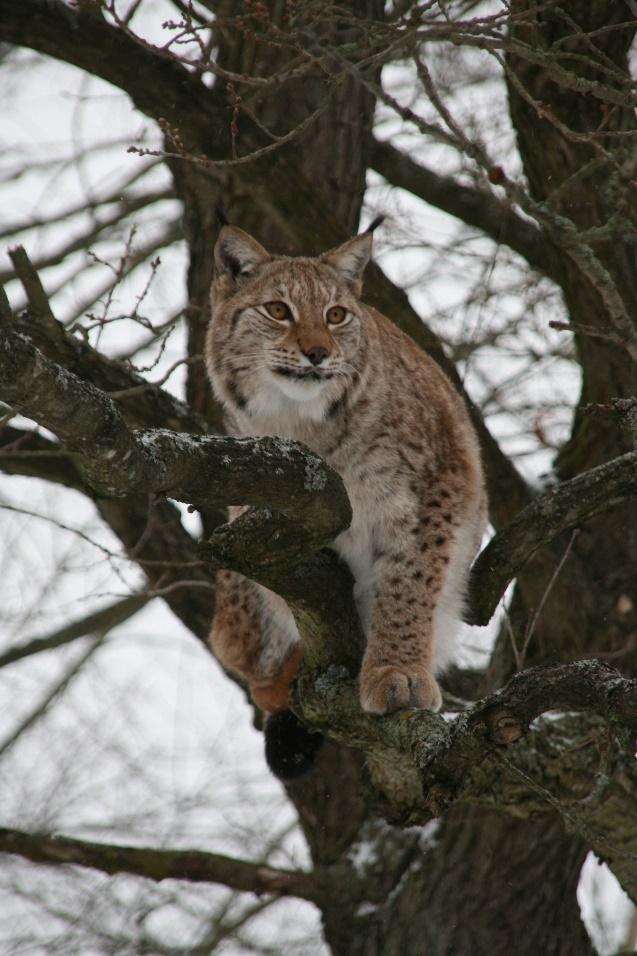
(86, 239)
(30, 280)
(141, 407)
(97, 622)
(191, 865)
(51, 694)
(477, 208)
(80, 35)
(558, 509)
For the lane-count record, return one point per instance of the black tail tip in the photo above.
(290, 748)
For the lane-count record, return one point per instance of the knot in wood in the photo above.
(506, 729)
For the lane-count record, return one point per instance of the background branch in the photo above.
(562, 507)
(96, 623)
(192, 865)
(485, 212)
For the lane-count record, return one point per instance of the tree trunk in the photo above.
(469, 884)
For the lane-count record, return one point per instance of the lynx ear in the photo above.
(237, 254)
(350, 259)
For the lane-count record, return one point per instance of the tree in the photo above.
(278, 112)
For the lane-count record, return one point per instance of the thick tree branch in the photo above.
(446, 750)
(206, 471)
(191, 865)
(560, 508)
(425, 764)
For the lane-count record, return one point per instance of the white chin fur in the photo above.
(299, 391)
(278, 396)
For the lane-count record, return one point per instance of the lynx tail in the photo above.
(290, 748)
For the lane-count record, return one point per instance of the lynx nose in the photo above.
(316, 354)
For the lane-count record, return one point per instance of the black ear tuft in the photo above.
(375, 223)
(290, 748)
(222, 219)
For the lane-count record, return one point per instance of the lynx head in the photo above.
(287, 335)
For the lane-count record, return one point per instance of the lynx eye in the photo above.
(278, 311)
(336, 314)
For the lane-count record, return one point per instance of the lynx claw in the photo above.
(385, 690)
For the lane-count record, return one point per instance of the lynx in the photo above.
(292, 351)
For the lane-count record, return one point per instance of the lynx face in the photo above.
(287, 334)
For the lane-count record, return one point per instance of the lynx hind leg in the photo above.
(451, 605)
(254, 635)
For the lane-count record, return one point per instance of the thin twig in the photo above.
(136, 389)
(59, 687)
(26, 273)
(532, 623)
(108, 617)
(591, 331)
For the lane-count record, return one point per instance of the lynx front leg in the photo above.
(254, 635)
(400, 658)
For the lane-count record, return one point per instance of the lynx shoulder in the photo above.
(293, 351)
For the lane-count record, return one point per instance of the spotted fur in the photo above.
(364, 397)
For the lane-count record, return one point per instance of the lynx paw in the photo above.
(386, 689)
